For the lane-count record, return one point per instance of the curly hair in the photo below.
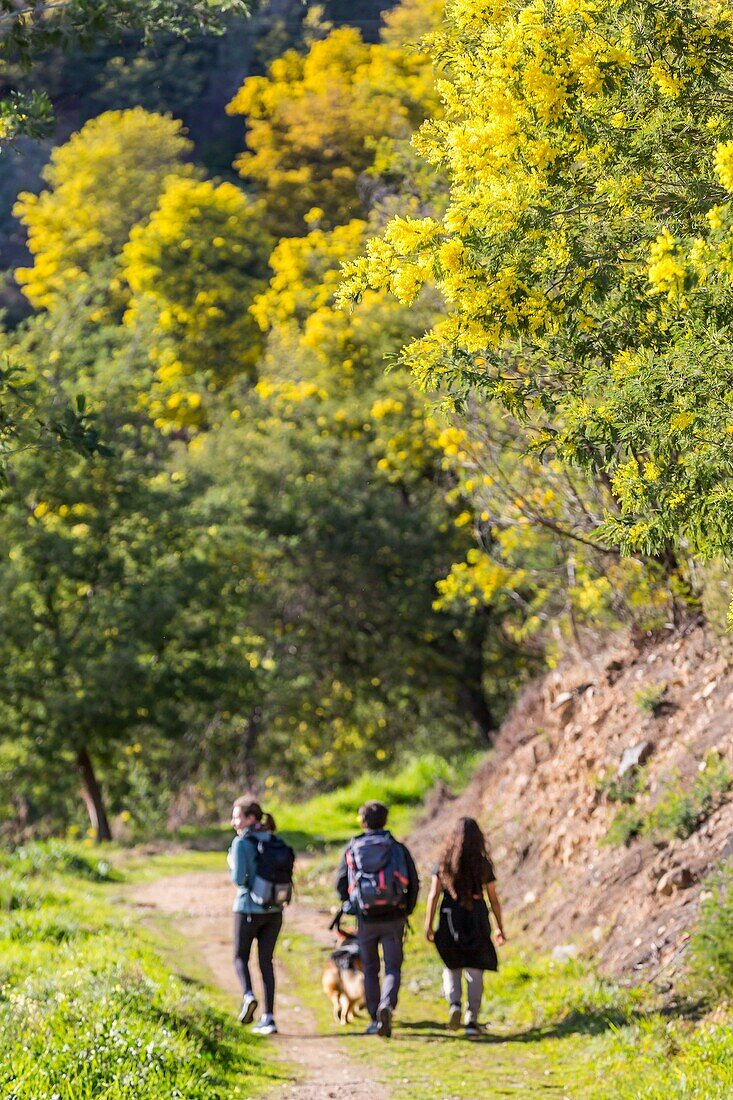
(465, 865)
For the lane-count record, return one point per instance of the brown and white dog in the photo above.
(343, 978)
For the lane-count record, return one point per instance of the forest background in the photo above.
(249, 554)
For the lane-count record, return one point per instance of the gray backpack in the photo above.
(378, 878)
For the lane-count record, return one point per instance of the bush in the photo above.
(623, 789)
(681, 809)
(680, 812)
(711, 948)
(626, 825)
(650, 699)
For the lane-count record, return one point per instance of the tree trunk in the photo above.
(472, 693)
(252, 731)
(478, 707)
(92, 794)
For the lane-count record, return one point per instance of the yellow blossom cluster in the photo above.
(107, 178)
(192, 270)
(314, 119)
(543, 108)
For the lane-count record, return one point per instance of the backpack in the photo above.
(378, 878)
(272, 886)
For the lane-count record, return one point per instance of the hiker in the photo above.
(377, 882)
(463, 937)
(261, 867)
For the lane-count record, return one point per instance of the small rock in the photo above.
(564, 707)
(564, 952)
(677, 878)
(634, 757)
(529, 898)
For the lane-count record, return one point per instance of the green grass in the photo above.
(88, 1008)
(331, 818)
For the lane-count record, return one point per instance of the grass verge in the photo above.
(88, 1008)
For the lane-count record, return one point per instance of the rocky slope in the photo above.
(649, 722)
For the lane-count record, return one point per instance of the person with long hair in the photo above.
(464, 876)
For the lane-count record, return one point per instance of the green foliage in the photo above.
(650, 698)
(681, 808)
(627, 824)
(585, 258)
(664, 1059)
(333, 817)
(86, 1000)
(623, 789)
(710, 969)
(23, 426)
(107, 650)
(29, 29)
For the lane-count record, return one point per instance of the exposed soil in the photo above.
(201, 905)
(632, 907)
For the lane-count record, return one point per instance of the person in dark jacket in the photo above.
(462, 875)
(377, 881)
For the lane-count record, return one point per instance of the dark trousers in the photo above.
(265, 928)
(389, 934)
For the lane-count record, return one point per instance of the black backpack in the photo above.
(272, 886)
(377, 874)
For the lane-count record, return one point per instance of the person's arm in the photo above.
(496, 910)
(413, 888)
(342, 879)
(432, 906)
(240, 862)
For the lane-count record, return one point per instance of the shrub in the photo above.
(626, 825)
(650, 699)
(679, 812)
(623, 789)
(711, 948)
(681, 809)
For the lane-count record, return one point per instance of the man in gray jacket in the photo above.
(377, 881)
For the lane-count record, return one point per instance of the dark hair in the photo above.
(465, 865)
(268, 822)
(373, 815)
(249, 808)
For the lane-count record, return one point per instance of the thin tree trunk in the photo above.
(472, 691)
(478, 707)
(92, 794)
(252, 730)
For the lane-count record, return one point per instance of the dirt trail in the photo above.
(201, 906)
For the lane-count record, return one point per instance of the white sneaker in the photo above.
(249, 1007)
(265, 1026)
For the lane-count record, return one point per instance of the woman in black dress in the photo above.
(464, 874)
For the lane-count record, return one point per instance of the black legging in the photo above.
(265, 928)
